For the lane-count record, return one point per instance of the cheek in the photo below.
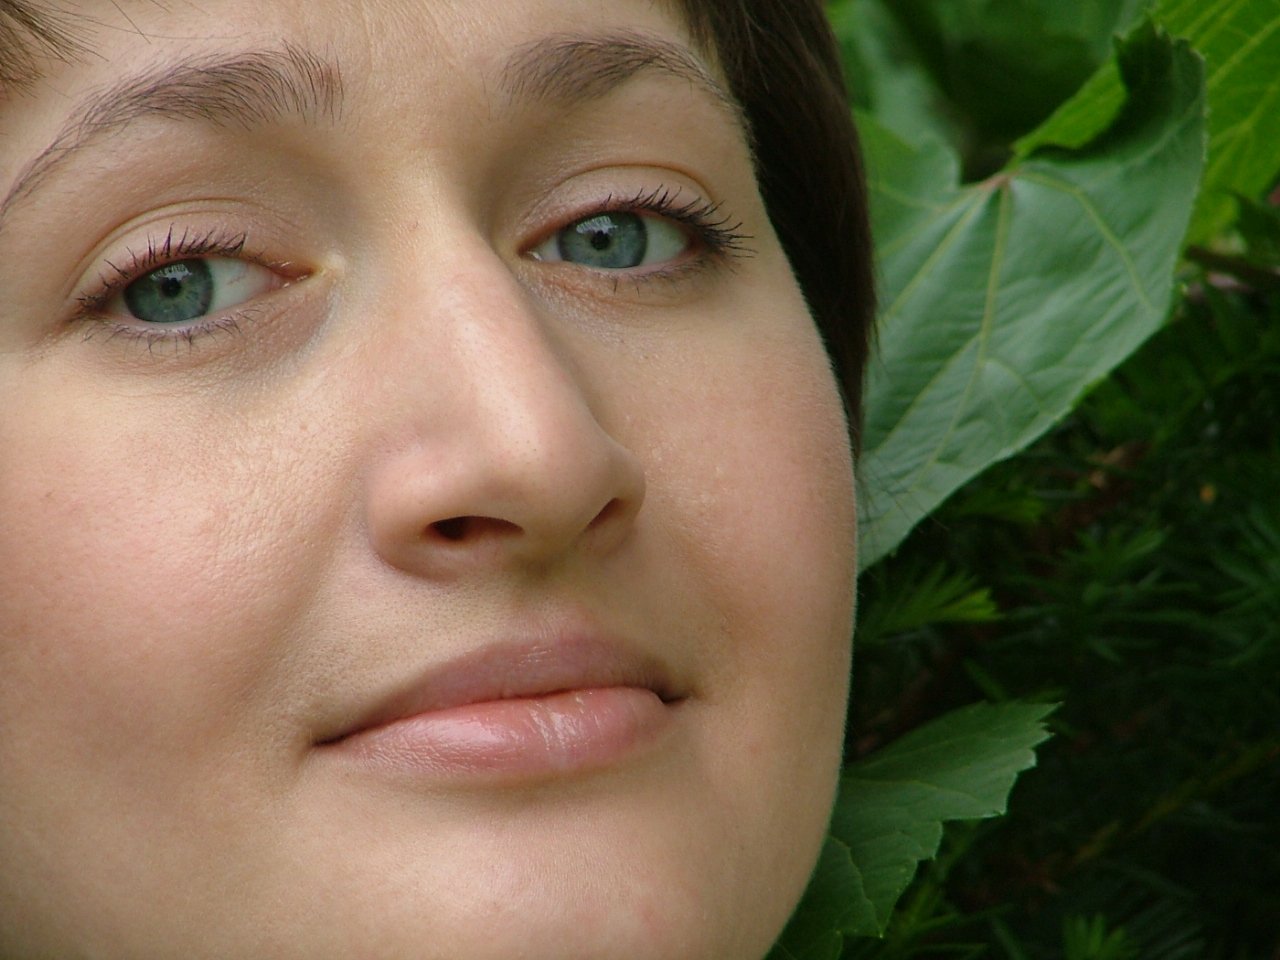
(760, 473)
(782, 551)
(137, 597)
(150, 567)
(755, 485)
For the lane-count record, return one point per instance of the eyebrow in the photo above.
(569, 69)
(252, 88)
(245, 90)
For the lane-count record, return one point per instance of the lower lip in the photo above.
(520, 739)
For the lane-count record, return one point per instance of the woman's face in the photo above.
(427, 513)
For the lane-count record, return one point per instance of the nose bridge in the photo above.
(518, 384)
(494, 441)
(522, 404)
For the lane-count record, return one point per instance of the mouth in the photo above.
(516, 712)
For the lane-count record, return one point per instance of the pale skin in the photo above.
(419, 433)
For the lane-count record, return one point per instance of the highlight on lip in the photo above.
(564, 732)
(514, 711)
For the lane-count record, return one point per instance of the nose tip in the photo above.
(496, 452)
(438, 516)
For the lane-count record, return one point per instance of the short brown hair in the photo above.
(784, 69)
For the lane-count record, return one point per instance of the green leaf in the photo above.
(893, 804)
(885, 74)
(1006, 300)
(1087, 938)
(890, 812)
(914, 597)
(1240, 40)
(1006, 64)
(1094, 108)
(1259, 226)
(834, 900)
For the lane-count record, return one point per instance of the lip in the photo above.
(516, 711)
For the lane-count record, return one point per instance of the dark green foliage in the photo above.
(1147, 599)
(890, 813)
(1128, 563)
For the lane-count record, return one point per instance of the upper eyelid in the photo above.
(660, 201)
(113, 278)
(585, 211)
(175, 242)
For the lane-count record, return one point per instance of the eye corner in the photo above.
(545, 250)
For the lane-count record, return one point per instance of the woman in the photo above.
(428, 501)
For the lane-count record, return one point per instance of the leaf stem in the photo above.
(1255, 275)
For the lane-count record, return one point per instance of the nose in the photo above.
(496, 455)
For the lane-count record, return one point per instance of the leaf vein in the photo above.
(1108, 235)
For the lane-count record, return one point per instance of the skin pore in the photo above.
(416, 424)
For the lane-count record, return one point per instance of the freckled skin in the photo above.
(209, 550)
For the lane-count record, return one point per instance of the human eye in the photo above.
(179, 288)
(651, 232)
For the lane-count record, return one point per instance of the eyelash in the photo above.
(173, 248)
(720, 238)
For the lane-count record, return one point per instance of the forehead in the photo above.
(63, 46)
(126, 59)
(38, 37)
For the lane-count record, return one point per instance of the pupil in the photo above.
(609, 241)
(174, 293)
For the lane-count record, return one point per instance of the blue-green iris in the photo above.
(174, 293)
(609, 241)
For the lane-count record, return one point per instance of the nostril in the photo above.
(454, 528)
(460, 528)
(610, 509)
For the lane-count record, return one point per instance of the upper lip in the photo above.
(512, 669)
